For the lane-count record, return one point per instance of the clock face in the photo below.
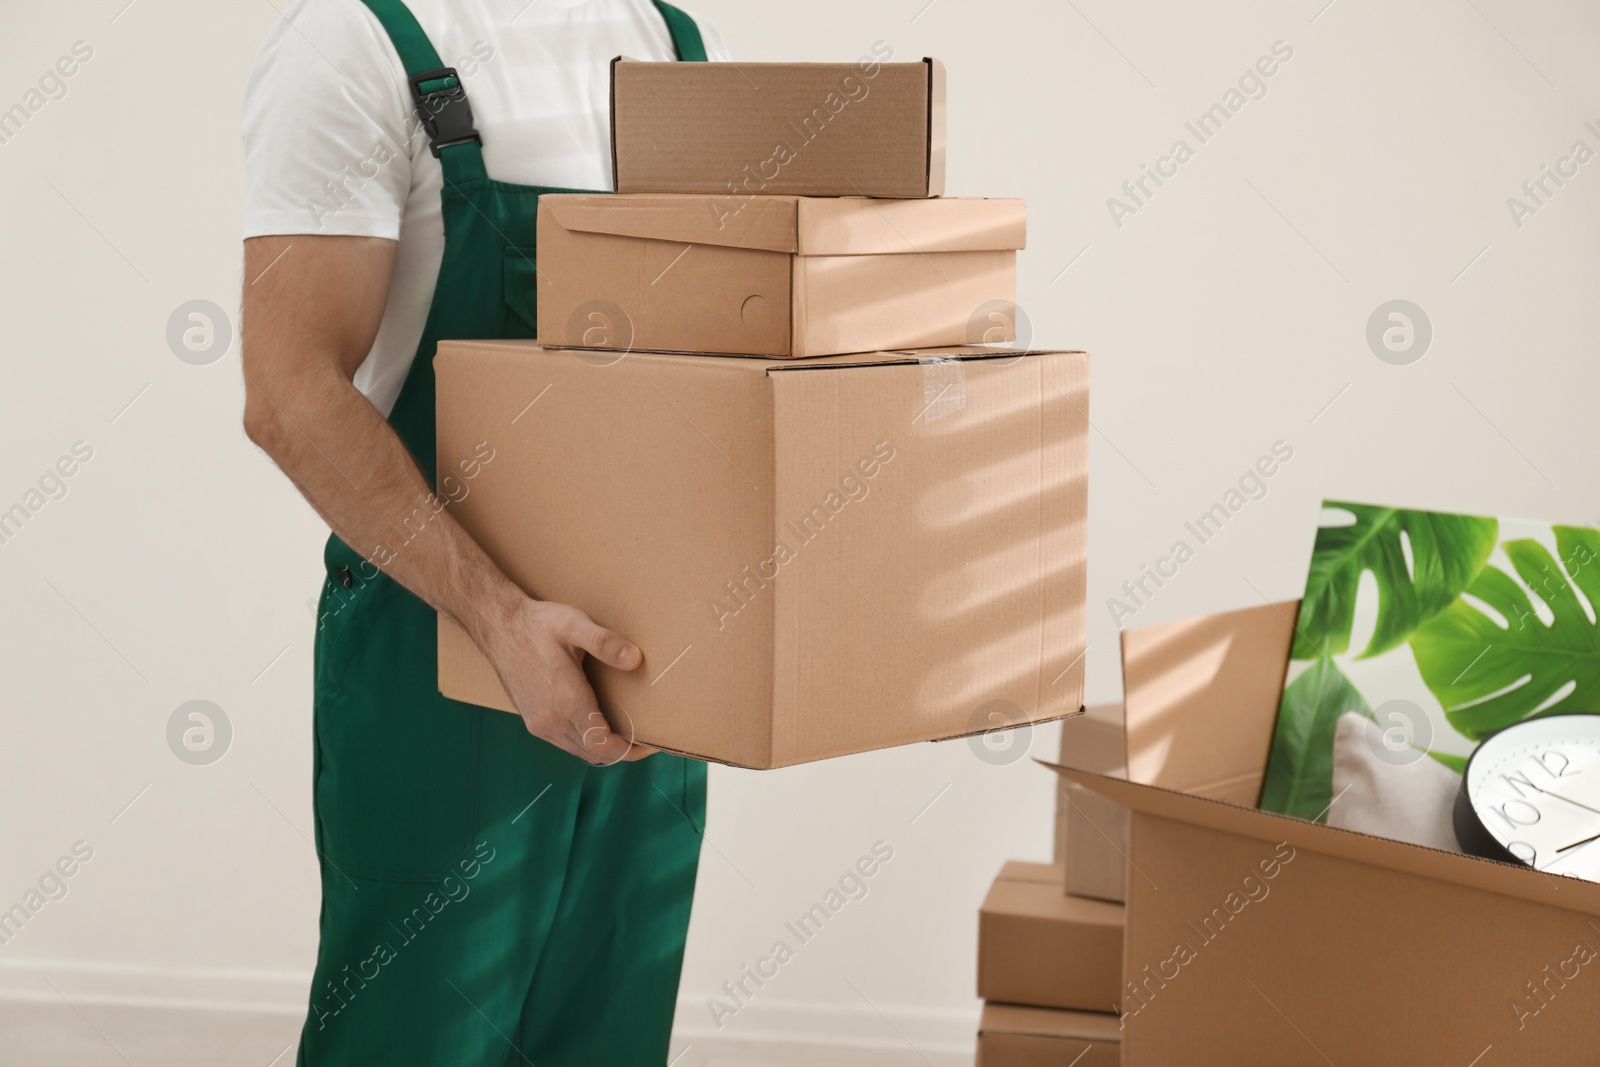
(1535, 787)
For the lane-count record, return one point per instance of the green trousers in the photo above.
(487, 899)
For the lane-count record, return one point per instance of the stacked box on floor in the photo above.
(1012, 1036)
(1050, 936)
(1092, 843)
(1039, 947)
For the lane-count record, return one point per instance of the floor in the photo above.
(90, 1035)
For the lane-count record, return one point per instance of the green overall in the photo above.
(487, 899)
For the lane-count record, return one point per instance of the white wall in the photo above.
(1227, 313)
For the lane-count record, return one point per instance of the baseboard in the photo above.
(176, 988)
(759, 1033)
(880, 1033)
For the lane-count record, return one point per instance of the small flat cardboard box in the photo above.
(808, 129)
(1012, 1036)
(1040, 947)
(1253, 937)
(785, 277)
(817, 558)
(1093, 830)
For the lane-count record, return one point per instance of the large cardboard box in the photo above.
(1012, 1036)
(812, 129)
(1040, 947)
(786, 276)
(1253, 937)
(817, 558)
(1093, 831)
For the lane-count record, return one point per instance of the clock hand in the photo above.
(1569, 800)
(1569, 848)
(1577, 844)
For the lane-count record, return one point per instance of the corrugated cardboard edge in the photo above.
(1490, 876)
(896, 356)
(936, 126)
(1029, 722)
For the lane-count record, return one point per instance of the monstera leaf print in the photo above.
(1489, 671)
(1447, 552)
(1300, 769)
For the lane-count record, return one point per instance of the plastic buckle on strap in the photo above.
(445, 112)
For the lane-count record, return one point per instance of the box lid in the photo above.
(807, 226)
(1023, 871)
(1103, 1027)
(1048, 902)
(851, 225)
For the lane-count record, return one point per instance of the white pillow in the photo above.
(1386, 793)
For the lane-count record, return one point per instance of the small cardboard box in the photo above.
(817, 558)
(808, 129)
(1253, 937)
(1040, 947)
(1093, 830)
(784, 276)
(1012, 1036)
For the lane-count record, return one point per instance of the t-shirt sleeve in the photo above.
(325, 126)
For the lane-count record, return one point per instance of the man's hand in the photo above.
(311, 308)
(538, 651)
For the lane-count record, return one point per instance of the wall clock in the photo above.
(1531, 795)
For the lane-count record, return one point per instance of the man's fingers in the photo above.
(600, 743)
(609, 648)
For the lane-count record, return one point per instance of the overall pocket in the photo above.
(397, 764)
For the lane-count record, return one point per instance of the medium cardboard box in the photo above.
(1040, 947)
(817, 558)
(1094, 830)
(786, 277)
(1253, 937)
(1012, 1036)
(810, 129)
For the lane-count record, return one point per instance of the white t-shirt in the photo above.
(327, 111)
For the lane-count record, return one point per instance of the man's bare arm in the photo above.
(311, 308)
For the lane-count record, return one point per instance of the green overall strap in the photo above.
(455, 141)
(448, 118)
(685, 34)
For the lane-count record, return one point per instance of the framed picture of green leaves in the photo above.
(1440, 629)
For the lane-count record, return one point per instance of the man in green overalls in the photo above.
(495, 890)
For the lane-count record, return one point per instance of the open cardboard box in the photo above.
(1253, 937)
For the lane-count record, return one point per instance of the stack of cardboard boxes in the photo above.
(1050, 936)
(771, 431)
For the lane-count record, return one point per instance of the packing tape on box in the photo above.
(944, 387)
